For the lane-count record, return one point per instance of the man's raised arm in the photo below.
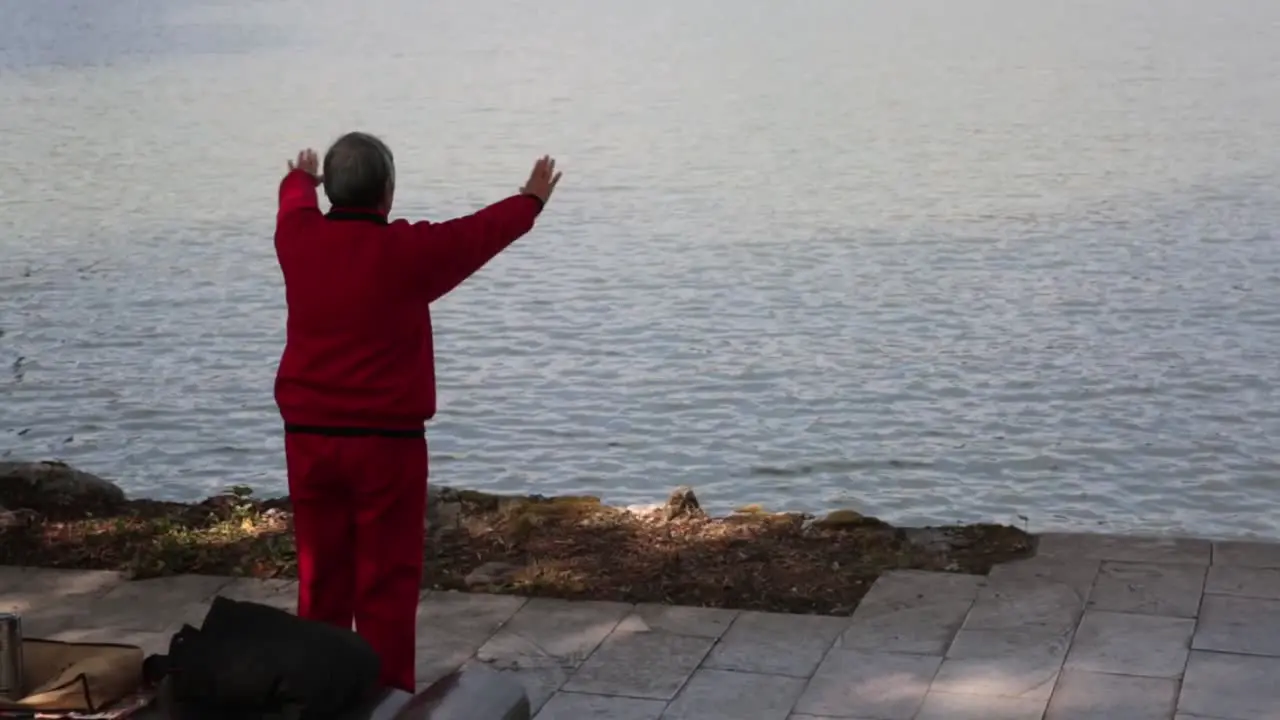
(298, 188)
(453, 251)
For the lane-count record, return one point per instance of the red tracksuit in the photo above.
(355, 387)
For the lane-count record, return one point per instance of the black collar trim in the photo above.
(362, 215)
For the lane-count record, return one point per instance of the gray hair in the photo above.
(358, 171)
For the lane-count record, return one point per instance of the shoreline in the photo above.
(570, 547)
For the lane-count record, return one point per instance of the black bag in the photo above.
(251, 660)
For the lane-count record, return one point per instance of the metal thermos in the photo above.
(11, 687)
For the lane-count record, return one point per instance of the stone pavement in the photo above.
(1093, 627)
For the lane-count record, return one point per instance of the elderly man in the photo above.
(356, 383)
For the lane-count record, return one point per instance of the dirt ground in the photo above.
(569, 547)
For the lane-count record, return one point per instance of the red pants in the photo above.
(358, 511)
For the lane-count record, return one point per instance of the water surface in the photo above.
(937, 261)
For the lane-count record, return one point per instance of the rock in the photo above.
(52, 486)
(440, 493)
(848, 519)
(683, 504)
(765, 519)
(931, 539)
(491, 573)
(447, 517)
(443, 508)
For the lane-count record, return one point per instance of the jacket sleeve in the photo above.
(452, 251)
(297, 194)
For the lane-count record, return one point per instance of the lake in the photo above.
(935, 261)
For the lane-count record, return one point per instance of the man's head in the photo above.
(360, 173)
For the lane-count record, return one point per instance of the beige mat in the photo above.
(77, 677)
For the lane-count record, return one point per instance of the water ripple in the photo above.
(977, 263)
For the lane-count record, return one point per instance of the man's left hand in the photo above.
(308, 163)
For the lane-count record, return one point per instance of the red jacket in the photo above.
(358, 352)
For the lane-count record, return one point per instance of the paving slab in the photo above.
(1077, 573)
(946, 706)
(280, 594)
(567, 632)
(1099, 696)
(276, 593)
(539, 646)
(1023, 603)
(1230, 687)
(1129, 605)
(1244, 582)
(571, 706)
(17, 581)
(434, 660)
(1021, 663)
(640, 664)
(680, 620)
(1149, 588)
(154, 605)
(541, 676)
(40, 595)
(853, 683)
(730, 695)
(776, 643)
(925, 628)
(911, 585)
(912, 612)
(1238, 625)
(1122, 548)
(1246, 553)
(1128, 644)
(463, 618)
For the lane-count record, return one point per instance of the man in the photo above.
(356, 382)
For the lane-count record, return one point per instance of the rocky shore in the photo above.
(53, 515)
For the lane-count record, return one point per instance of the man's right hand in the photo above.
(542, 181)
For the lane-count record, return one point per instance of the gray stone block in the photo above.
(680, 620)
(1022, 604)
(1230, 687)
(726, 695)
(1121, 643)
(1244, 582)
(471, 617)
(565, 631)
(640, 664)
(1076, 573)
(471, 694)
(1097, 696)
(1020, 663)
(1123, 548)
(916, 612)
(1238, 625)
(776, 643)
(572, 706)
(1246, 553)
(851, 683)
(1149, 588)
(948, 706)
